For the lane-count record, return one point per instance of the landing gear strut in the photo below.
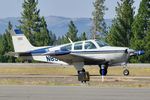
(103, 69)
(83, 76)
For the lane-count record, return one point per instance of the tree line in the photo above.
(127, 30)
(130, 30)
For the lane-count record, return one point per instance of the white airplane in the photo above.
(89, 52)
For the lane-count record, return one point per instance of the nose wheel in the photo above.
(126, 72)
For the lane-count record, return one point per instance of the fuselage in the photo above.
(94, 49)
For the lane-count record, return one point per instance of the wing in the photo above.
(71, 58)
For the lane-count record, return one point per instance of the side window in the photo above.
(66, 48)
(78, 46)
(89, 45)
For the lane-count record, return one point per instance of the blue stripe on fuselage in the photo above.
(103, 51)
(59, 52)
(38, 51)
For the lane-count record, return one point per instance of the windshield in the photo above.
(101, 43)
(67, 47)
(89, 45)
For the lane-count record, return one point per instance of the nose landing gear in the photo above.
(126, 72)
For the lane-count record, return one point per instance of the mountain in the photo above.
(56, 24)
(4, 23)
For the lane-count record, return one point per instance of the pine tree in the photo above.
(53, 38)
(7, 45)
(99, 26)
(63, 40)
(112, 36)
(30, 20)
(120, 33)
(34, 26)
(83, 36)
(58, 40)
(1, 49)
(42, 37)
(72, 33)
(141, 31)
(8, 37)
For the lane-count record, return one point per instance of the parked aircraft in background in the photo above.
(88, 52)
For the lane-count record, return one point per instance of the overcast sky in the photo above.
(65, 8)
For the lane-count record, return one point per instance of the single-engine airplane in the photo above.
(88, 52)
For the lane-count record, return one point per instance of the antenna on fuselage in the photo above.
(70, 40)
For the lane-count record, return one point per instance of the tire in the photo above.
(126, 72)
(105, 73)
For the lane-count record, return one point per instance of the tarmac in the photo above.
(72, 93)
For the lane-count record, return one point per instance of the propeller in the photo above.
(140, 52)
(137, 53)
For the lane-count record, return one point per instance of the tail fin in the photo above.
(20, 42)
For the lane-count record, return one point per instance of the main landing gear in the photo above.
(103, 69)
(83, 76)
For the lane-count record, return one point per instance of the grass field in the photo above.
(57, 70)
(70, 71)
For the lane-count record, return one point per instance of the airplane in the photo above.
(80, 53)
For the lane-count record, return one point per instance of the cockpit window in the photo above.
(101, 43)
(78, 46)
(89, 45)
(67, 47)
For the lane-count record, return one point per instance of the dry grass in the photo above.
(57, 70)
(113, 71)
(38, 70)
(33, 81)
(72, 81)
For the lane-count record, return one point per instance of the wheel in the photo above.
(105, 72)
(126, 72)
(103, 69)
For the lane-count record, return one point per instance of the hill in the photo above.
(56, 24)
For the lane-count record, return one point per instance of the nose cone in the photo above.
(135, 53)
(140, 52)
